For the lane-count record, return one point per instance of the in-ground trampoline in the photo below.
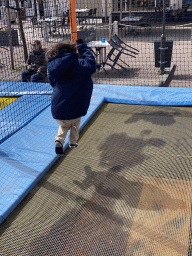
(126, 189)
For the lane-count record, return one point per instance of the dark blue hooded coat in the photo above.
(70, 78)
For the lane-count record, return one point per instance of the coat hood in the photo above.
(57, 66)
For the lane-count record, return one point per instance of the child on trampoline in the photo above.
(70, 76)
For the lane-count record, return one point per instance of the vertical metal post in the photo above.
(73, 23)
(115, 28)
(121, 8)
(110, 26)
(130, 6)
(45, 32)
(105, 11)
(163, 43)
(110, 2)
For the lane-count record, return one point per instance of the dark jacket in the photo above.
(70, 78)
(37, 60)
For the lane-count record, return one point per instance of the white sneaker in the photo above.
(73, 145)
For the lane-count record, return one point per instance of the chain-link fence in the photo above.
(140, 27)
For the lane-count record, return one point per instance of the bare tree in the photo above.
(10, 34)
(21, 31)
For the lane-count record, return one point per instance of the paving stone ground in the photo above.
(142, 69)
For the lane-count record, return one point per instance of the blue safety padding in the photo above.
(145, 95)
(20, 88)
(11, 119)
(27, 155)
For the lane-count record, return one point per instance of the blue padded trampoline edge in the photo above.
(94, 106)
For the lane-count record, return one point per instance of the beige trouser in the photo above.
(65, 126)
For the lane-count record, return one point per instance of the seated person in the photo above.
(36, 64)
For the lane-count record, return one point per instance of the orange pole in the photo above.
(73, 23)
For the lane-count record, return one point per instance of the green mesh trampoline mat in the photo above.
(126, 190)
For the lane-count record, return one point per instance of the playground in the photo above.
(126, 189)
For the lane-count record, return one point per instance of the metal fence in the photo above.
(139, 29)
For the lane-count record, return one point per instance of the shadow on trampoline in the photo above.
(118, 187)
(84, 223)
(119, 193)
(160, 117)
